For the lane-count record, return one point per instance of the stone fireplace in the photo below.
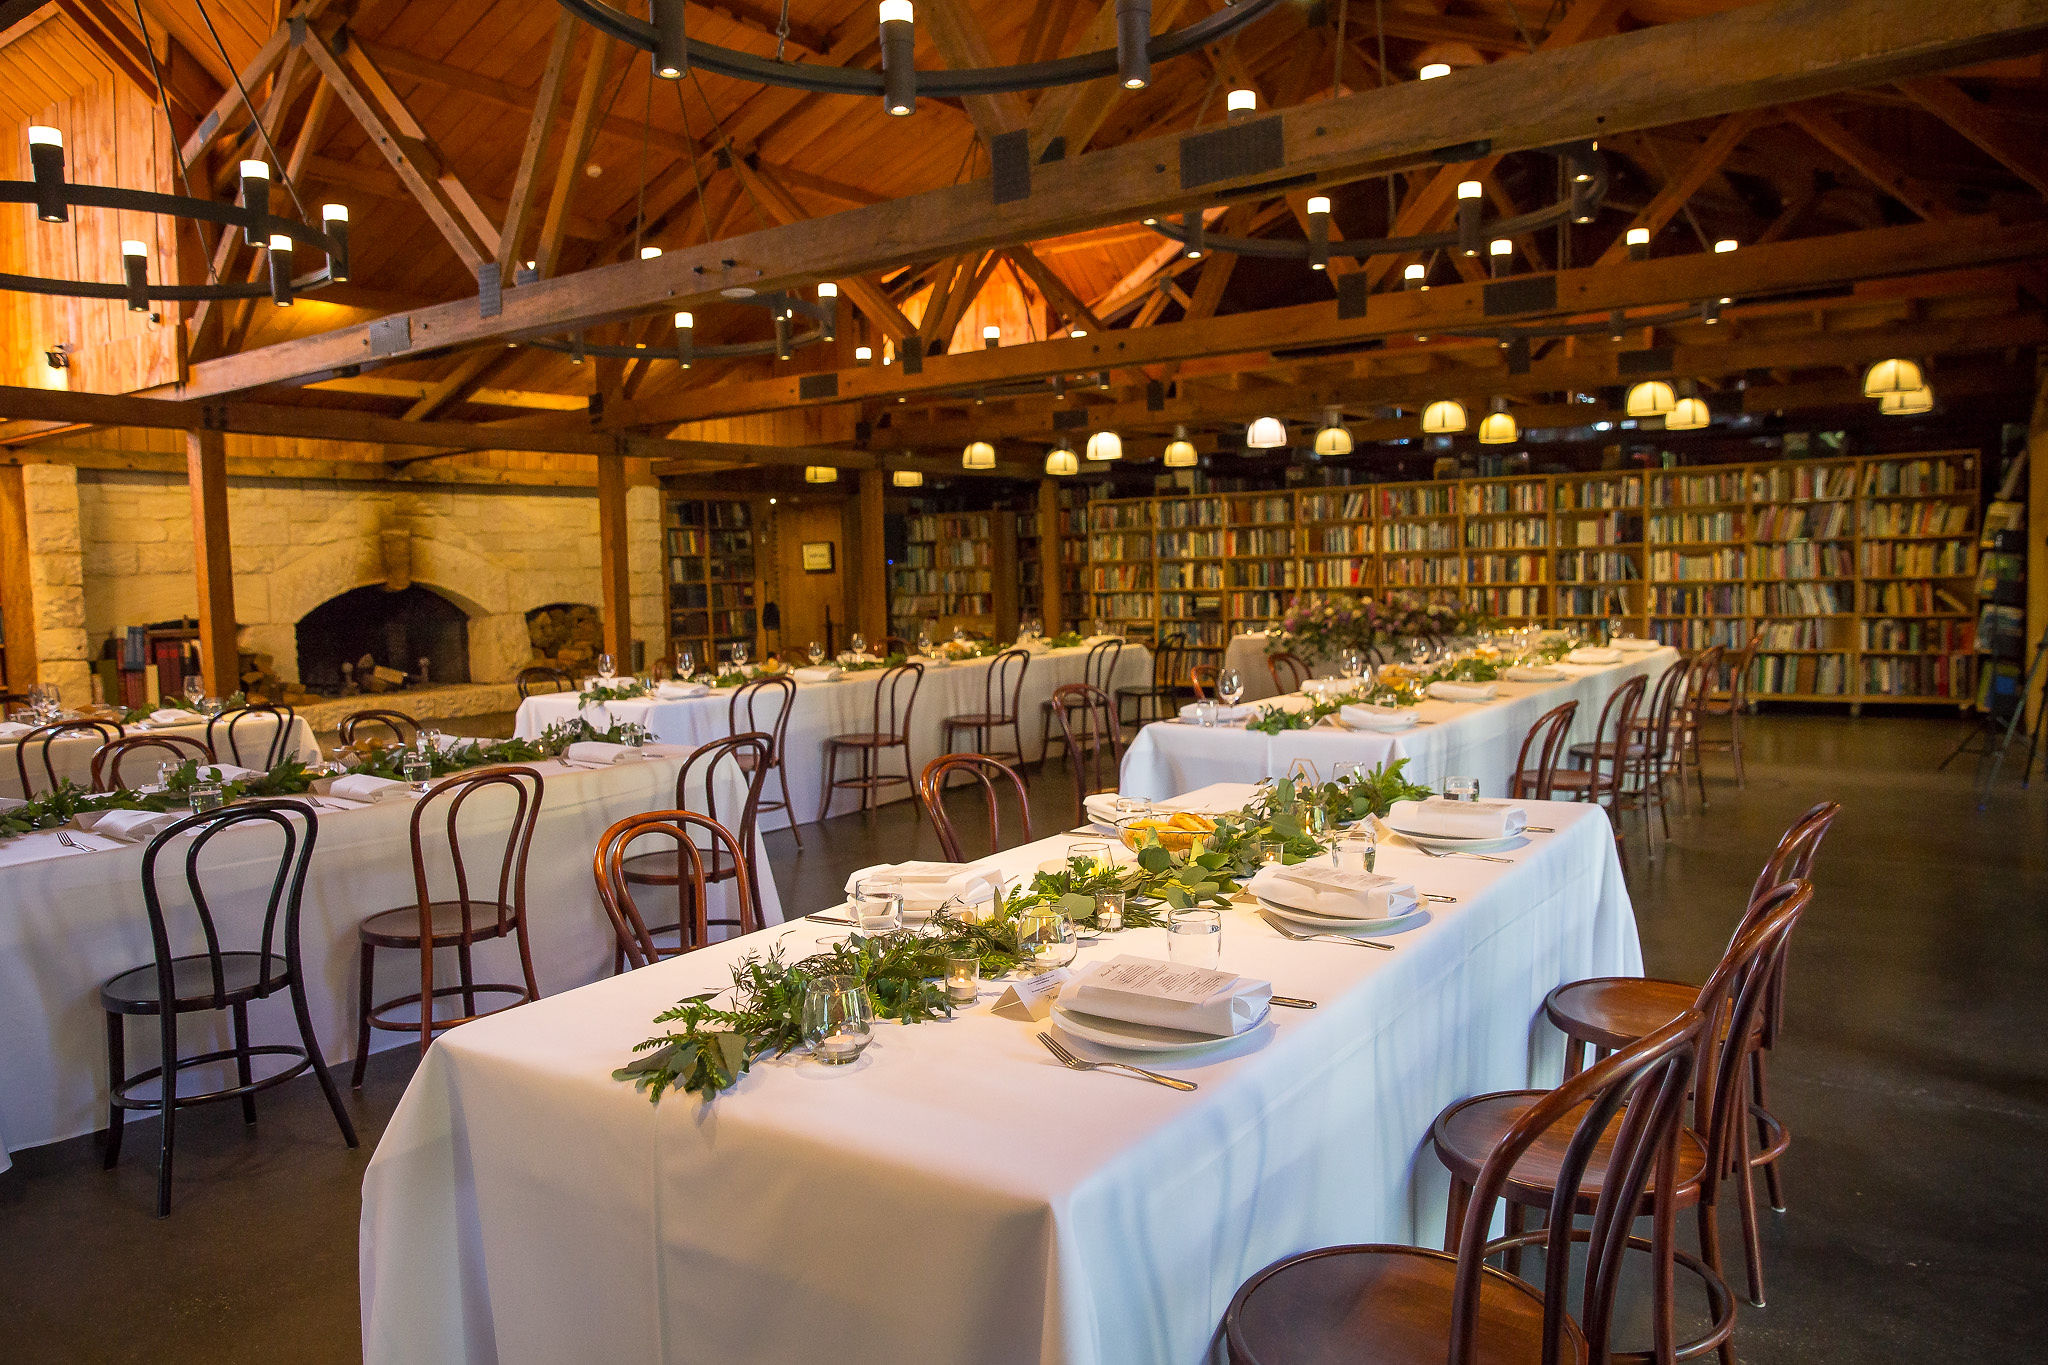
(413, 630)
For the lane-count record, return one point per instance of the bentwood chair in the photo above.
(1603, 781)
(1533, 781)
(1088, 725)
(735, 762)
(1611, 1137)
(1202, 678)
(1002, 707)
(890, 646)
(217, 979)
(1734, 704)
(895, 696)
(1289, 671)
(750, 701)
(1641, 751)
(107, 761)
(1098, 670)
(691, 837)
(477, 913)
(366, 725)
(1711, 1151)
(541, 678)
(1706, 672)
(253, 748)
(982, 770)
(43, 736)
(1161, 696)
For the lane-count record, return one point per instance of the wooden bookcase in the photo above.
(1507, 539)
(1597, 535)
(712, 577)
(947, 574)
(1916, 543)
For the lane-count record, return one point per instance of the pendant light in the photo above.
(1498, 427)
(1892, 376)
(1105, 446)
(1651, 398)
(978, 455)
(821, 473)
(1267, 433)
(1060, 460)
(1907, 402)
(1332, 438)
(907, 478)
(1133, 32)
(1180, 451)
(1690, 412)
(899, 75)
(1445, 417)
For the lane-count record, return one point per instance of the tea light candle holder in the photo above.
(963, 979)
(1109, 911)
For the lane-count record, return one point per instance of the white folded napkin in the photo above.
(1461, 691)
(1594, 654)
(1103, 807)
(597, 751)
(1385, 719)
(679, 691)
(927, 886)
(227, 772)
(1319, 889)
(1225, 715)
(365, 787)
(171, 715)
(1459, 819)
(130, 826)
(8, 803)
(1531, 673)
(818, 673)
(1141, 990)
(13, 729)
(1321, 688)
(1098, 639)
(1634, 644)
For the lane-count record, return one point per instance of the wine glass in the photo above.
(606, 669)
(859, 643)
(1037, 628)
(959, 635)
(739, 654)
(1419, 654)
(1230, 686)
(1614, 629)
(686, 664)
(195, 690)
(1351, 663)
(816, 653)
(838, 1019)
(924, 643)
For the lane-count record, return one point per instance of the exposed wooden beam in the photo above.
(206, 470)
(468, 373)
(539, 128)
(17, 597)
(1876, 166)
(1682, 186)
(575, 151)
(1057, 291)
(1075, 113)
(228, 109)
(614, 572)
(412, 390)
(957, 34)
(2019, 152)
(865, 293)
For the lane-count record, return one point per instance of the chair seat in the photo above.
(1604, 749)
(1571, 780)
(1614, 1011)
(1162, 690)
(400, 928)
(135, 991)
(978, 720)
(1381, 1305)
(659, 867)
(867, 740)
(1467, 1133)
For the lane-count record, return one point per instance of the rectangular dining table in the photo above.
(70, 918)
(956, 1195)
(71, 754)
(1451, 739)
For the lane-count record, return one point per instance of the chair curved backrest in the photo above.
(749, 699)
(1202, 677)
(1289, 671)
(706, 783)
(43, 736)
(402, 728)
(508, 903)
(1791, 860)
(1617, 719)
(106, 764)
(984, 770)
(230, 744)
(282, 903)
(1706, 676)
(1002, 687)
(895, 695)
(1098, 737)
(1547, 738)
(1098, 669)
(1745, 664)
(541, 678)
(892, 644)
(1166, 657)
(1646, 1083)
(684, 828)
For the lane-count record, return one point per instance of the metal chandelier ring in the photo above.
(821, 315)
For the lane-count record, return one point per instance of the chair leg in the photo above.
(789, 806)
(1759, 1086)
(1574, 1057)
(240, 1015)
(1516, 1221)
(1663, 1292)
(1735, 741)
(831, 776)
(426, 990)
(1454, 1215)
(363, 1008)
(117, 1072)
(318, 1058)
(1752, 1242)
(1710, 1252)
(465, 973)
(526, 958)
(167, 1107)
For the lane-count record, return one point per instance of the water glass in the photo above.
(838, 1019)
(1194, 937)
(1209, 713)
(1461, 788)
(1045, 938)
(816, 652)
(1614, 629)
(1358, 850)
(1230, 686)
(1093, 852)
(206, 795)
(195, 689)
(878, 904)
(606, 669)
(418, 771)
(858, 643)
(1109, 911)
(1351, 663)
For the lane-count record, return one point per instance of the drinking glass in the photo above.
(1109, 911)
(686, 664)
(838, 1019)
(963, 980)
(1358, 850)
(195, 689)
(959, 635)
(1272, 850)
(1209, 713)
(1614, 629)
(739, 654)
(1230, 686)
(1420, 654)
(205, 794)
(1093, 852)
(924, 643)
(817, 652)
(1194, 937)
(1351, 664)
(1461, 788)
(606, 670)
(1045, 937)
(878, 904)
(418, 772)
(858, 644)
(1037, 628)
(165, 771)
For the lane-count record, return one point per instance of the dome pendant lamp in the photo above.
(1333, 438)
(1266, 433)
(1651, 398)
(978, 455)
(1180, 451)
(1892, 376)
(1498, 427)
(1445, 417)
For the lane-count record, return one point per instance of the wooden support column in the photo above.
(2037, 521)
(614, 562)
(870, 557)
(206, 471)
(17, 600)
(1049, 556)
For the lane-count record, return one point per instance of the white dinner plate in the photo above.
(1451, 843)
(1115, 1033)
(1309, 919)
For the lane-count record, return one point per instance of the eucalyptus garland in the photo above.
(135, 715)
(629, 690)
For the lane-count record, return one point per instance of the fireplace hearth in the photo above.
(397, 630)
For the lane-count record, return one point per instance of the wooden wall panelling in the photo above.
(17, 601)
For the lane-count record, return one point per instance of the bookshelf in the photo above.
(1121, 587)
(711, 576)
(1030, 569)
(1916, 538)
(1262, 566)
(1507, 539)
(1597, 531)
(947, 574)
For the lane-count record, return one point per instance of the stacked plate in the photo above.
(1450, 843)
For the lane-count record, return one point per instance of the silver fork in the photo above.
(1299, 937)
(1482, 857)
(71, 843)
(1073, 1063)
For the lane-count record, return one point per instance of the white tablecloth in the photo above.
(70, 920)
(1247, 654)
(73, 753)
(1462, 739)
(822, 710)
(956, 1196)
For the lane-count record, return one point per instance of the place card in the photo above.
(1032, 995)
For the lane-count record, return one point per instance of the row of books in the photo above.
(1727, 486)
(1892, 477)
(1119, 546)
(1918, 559)
(1572, 496)
(1419, 535)
(920, 606)
(1121, 578)
(1916, 519)
(1262, 573)
(1692, 634)
(1695, 527)
(1258, 542)
(1504, 533)
(685, 596)
(1725, 600)
(1262, 511)
(1191, 512)
(1507, 569)
(950, 526)
(1612, 529)
(1420, 573)
(942, 580)
(1920, 637)
(1123, 606)
(1337, 540)
(1801, 483)
(1175, 577)
(1337, 573)
(1940, 675)
(1258, 606)
(1189, 544)
(1911, 599)
(1583, 566)
(1797, 635)
(1713, 564)
(1824, 675)
(1508, 601)
(1416, 502)
(1801, 559)
(1505, 497)
(1799, 599)
(1821, 522)
(1335, 507)
(1613, 600)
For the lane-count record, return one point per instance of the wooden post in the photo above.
(614, 563)
(1050, 556)
(17, 600)
(206, 471)
(870, 557)
(2037, 526)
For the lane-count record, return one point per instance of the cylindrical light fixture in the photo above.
(1332, 438)
(1580, 160)
(648, 253)
(1892, 376)
(686, 338)
(1498, 427)
(1133, 32)
(1180, 451)
(782, 336)
(978, 455)
(46, 160)
(1319, 232)
(1907, 402)
(281, 270)
(1445, 417)
(135, 271)
(991, 336)
(1433, 70)
(1651, 398)
(671, 53)
(334, 219)
(1241, 104)
(821, 473)
(1266, 433)
(899, 40)
(1638, 244)
(1710, 312)
(255, 197)
(1060, 461)
(1502, 252)
(1470, 237)
(1415, 276)
(1194, 232)
(1105, 446)
(907, 478)
(1725, 245)
(863, 355)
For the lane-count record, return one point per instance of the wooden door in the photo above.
(804, 596)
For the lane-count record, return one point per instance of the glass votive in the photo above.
(1272, 850)
(838, 1019)
(1093, 852)
(963, 979)
(1194, 938)
(1109, 911)
(1461, 788)
(1045, 938)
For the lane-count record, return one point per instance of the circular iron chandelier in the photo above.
(686, 349)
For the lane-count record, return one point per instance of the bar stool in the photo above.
(750, 697)
(1098, 670)
(1002, 704)
(895, 695)
(740, 757)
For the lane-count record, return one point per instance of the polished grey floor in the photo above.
(1914, 1077)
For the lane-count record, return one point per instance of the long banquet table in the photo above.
(71, 754)
(956, 1195)
(1461, 739)
(69, 920)
(823, 709)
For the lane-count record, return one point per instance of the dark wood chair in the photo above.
(1161, 696)
(895, 695)
(1202, 678)
(981, 769)
(743, 716)
(891, 645)
(1533, 781)
(1643, 756)
(1402, 1305)
(541, 678)
(1713, 1149)
(693, 836)
(1289, 671)
(471, 917)
(1098, 670)
(252, 748)
(1604, 779)
(1002, 707)
(106, 763)
(1706, 673)
(218, 979)
(1734, 704)
(43, 736)
(1095, 745)
(402, 729)
(742, 759)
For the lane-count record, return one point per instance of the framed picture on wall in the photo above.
(817, 556)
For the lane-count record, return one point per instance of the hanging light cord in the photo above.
(177, 150)
(254, 117)
(782, 31)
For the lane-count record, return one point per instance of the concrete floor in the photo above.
(1913, 1077)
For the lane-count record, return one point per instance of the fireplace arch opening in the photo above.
(395, 629)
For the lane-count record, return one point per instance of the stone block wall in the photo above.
(57, 578)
